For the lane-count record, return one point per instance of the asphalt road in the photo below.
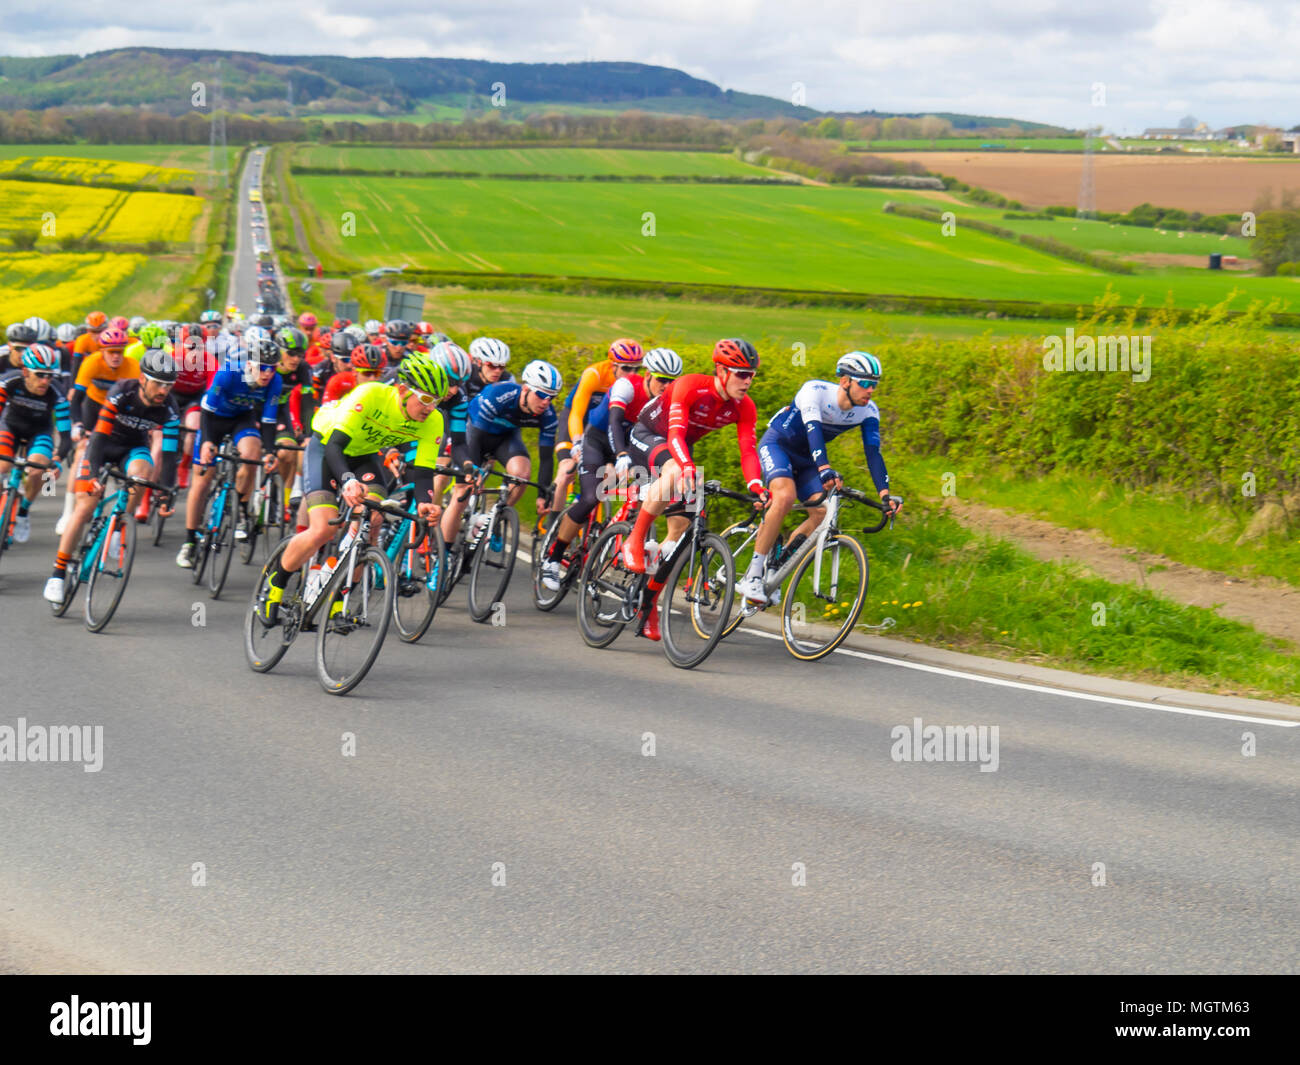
(519, 745)
(243, 274)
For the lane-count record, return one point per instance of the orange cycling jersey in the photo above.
(96, 377)
(598, 378)
(86, 344)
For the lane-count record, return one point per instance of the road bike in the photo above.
(11, 497)
(215, 546)
(268, 518)
(418, 556)
(575, 555)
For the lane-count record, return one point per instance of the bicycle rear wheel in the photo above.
(265, 646)
(72, 576)
(420, 565)
(605, 589)
(277, 522)
(543, 597)
(222, 548)
(494, 562)
(156, 520)
(740, 541)
(839, 588)
(349, 636)
(695, 605)
(111, 570)
(8, 507)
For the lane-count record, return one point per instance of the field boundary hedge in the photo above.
(120, 186)
(666, 179)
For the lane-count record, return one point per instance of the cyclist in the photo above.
(195, 365)
(19, 336)
(367, 362)
(343, 452)
(31, 408)
(65, 339)
(131, 411)
(459, 365)
(488, 358)
(149, 336)
(307, 323)
(339, 361)
(296, 403)
(694, 406)
(493, 429)
(605, 442)
(88, 342)
(796, 464)
(230, 407)
(399, 335)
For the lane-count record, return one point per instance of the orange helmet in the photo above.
(96, 320)
(735, 354)
(626, 352)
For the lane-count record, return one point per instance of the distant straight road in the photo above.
(243, 274)
(502, 811)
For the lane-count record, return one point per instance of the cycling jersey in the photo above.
(805, 427)
(371, 418)
(299, 379)
(124, 424)
(192, 364)
(94, 379)
(690, 408)
(620, 407)
(592, 385)
(456, 408)
(230, 395)
(26, 417)
(340, 385)
(498, 412)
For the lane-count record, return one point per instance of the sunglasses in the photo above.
(744, 375)
(866, 382)
(424, 397)
(267, 367)
(45, 375)
(545, 395)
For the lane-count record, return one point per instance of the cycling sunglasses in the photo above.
(46, 375)
(866, 382)
(424, 397)
(744, 375)
(267, 367)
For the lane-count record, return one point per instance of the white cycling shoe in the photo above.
(22, 529)
(551, 575)
(54, 590)
(751, 589)
(185, 556)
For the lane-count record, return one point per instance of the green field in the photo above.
(563, 162)
(179, 156)
(782, 237)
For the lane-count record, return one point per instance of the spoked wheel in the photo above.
(156, 519)
(72, 576)
(823, 603)
(606, 599)
(420, 566)
(222, 548)
(740, 542)
(202, 542)
(257, 516)
(8, 508)
(353, 621)
(264, 645)
(695, 605)
(545, 598)
(494, 562)
(277, 522)
(111, 570)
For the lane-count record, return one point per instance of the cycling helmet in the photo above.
(44, 334)
(858, 364)
(423, 328)
(209, 316)
(368, 357)
(40, 357)
(152, 336)
(455, 360)
(542, 377)
(294, 341)
(399, 330)
(373, 327)
(114, 337)
(663, 362)
(66, 333)
(136, 323)
(490, 350)
(626, 352)
(340, 323)
(158, 365)
(735, 354)
(119, 323)
(307, 321)
(341, 344)
(237, 327)
(20, 333)
(96, 320)
(255, 334)
(425, 374)
(357, 333)
(263, 350)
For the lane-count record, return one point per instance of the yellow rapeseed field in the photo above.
(59, 287)
(25, 207)
(153, 216)
(91, 171)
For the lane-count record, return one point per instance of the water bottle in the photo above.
(481, 522)
(314, 582)
(346, 542)
(653, 553)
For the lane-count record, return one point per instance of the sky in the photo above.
(1120, 64)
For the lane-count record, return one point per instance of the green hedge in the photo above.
(670, 179)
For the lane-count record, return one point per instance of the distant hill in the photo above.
(161, 78)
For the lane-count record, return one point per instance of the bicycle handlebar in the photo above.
(120, 475)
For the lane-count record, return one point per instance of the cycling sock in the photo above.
(558, 548)
(24, 506)
(191, 536)
(278, 578)
(61, 564)
(756, 565)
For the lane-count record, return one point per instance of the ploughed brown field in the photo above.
(1194, 183)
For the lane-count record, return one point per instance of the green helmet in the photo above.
(424, 373)
(152, 336)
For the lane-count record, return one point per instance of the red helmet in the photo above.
(423, 328)
(96, 320)
(114, 337)
(120, 323)
(626, 352)
(369, 357)
(736, 354)
(306, 321)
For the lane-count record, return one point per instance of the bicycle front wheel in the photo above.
(421, 563)
(265, 645)
(494, 562)
(740, 541)
(156, 520)
(222, 548)
(605, 589)
(695, 605)
(545, 598)
(8, 508)
(824, 601)
(353, 620)
(114, 554)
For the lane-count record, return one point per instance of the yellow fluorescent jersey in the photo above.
(372, 417)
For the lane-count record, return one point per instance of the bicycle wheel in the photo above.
(494, 562)
(256, 514)
(111, 570)
(156, 520)
(696, 601)
(72, 576)
(605, 589)
(543, 597)
(348, 637)
(201, 543)
(222, 542)
(264, 647)
(839, 587)
(740, 542)
(277, 523)
(421, 563)
(8, 507)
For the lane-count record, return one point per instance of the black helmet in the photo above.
(399, 330)
(264, 351)
(292, 339)
(157, 365)
(20, 333)
(341, 345)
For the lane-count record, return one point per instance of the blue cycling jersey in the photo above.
(497, 410)
(230, 395)
(807, 425)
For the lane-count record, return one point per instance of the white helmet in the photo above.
(43, 331)
(490, 350)
(542, 377)
(373, 327)
(67, 333)
(254, 335)
(662, 362)
(137, 323)
(357, 333)
(858, 364)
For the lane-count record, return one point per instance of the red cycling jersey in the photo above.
(691, 408)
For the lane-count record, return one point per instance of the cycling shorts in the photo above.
(320, 489)
(214, 427)
(777, 461)
(113, 455)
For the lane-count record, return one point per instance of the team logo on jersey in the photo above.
(367, 476)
